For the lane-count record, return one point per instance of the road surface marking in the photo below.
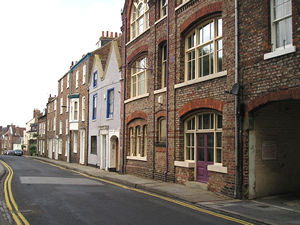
(58, 181)
(187, 205)
(9, 198)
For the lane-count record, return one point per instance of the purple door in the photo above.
(205, 155)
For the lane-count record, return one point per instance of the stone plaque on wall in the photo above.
(269, 149)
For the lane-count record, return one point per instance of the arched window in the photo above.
(139, 20)
(137, 141)
(203, 133)
(204, 50)
(138, 78)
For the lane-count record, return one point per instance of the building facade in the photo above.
(11, 138)
(31, 133)
(195, 72)
(104, 108)
(52, 148)
(269, 76)
(41, 137)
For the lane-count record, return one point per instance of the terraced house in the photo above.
(195, 72)
(104, 108)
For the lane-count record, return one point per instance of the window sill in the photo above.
(137, 158)
(185, 164)
(136, 98)
(182, 4)
(280, 52)
(137, 36)
(201, 79)
(160, 19)
(217, 168)
(160, 91)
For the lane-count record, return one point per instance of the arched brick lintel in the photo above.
(136, 53)
(209, 103)
(206, 10)
(161, 114)
(136, 115)
(272, 97)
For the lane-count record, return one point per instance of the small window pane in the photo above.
(200, 123)
(219, 123)
(219, 156)
(191, 124)
(206, 121)
(219, 139)
(219, 27)
(192, 41)
(206, 33)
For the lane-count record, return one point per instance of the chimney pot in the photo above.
(107, 34)
(102, 33)
(116, 34)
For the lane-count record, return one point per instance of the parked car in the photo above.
(18, 152)
(10, 152)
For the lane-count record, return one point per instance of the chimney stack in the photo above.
(106, 37)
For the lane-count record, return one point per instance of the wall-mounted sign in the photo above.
(269, 150)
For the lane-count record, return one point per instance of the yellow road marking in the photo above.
(187, 205)
(9, 198)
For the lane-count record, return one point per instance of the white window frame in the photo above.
(67, 126)
(217, 37)
(135, 18)
(198, 130)
(61, 105)
(83, 108)
(279, 50)
(77, 79)
(67, 108)
(68, 80)
(61, 85)
(163, 8)
(138, 70)
(83, 74)
(54, 124)
(60, 127)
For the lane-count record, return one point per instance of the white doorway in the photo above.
(82, 146)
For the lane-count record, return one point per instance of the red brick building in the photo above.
(189, 60)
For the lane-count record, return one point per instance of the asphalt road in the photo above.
(49, 195)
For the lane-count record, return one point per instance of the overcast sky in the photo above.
(38, 41)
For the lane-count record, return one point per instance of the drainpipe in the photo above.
(87, 111)
(70, 132)
(167, 95)
(237, 186)
(124, 95)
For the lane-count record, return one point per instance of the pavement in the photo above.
(275, 210)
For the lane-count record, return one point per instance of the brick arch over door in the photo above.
(205, 11)
(208, 103)
(136, 115)
(272, 97)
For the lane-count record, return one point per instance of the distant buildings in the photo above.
(11, 138)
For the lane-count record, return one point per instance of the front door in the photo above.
(205, 154)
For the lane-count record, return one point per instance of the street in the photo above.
(49, 195)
